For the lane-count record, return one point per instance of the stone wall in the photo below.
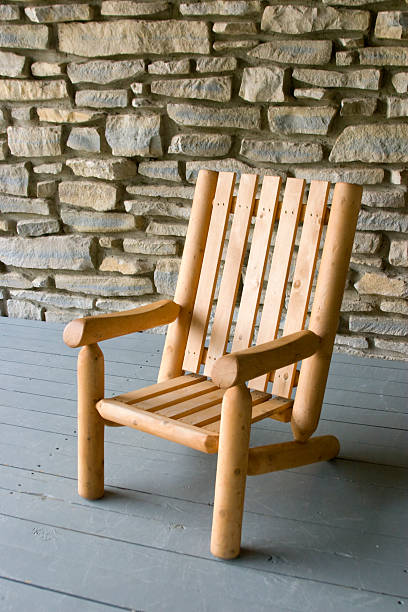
(109, 108)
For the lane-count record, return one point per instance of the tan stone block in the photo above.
(372, 143)
(59, 12)
(44, 69)
(245, 117)
(215, 88)
(281, 152)
(293, 51)
(64, 115)
(261, 84)
(398, 255)
(133, 37)
(88, 194)
(172, 67)
(14, 179)
(380, 284)
(34, 141)
(392, 25)
(291, 19)
(37, 227)
(150, 246)
(236, 8)
(126, 264)
(84, 139)
(166, 275)
(129, 8)
(384, 56)
(11, 64)
(53, 252)
(105, 71)
(104, 285)
(216, 64)
(108, 169)
(98, 222)
(26, 90)
(165, 170)
(166, 229)
(105, 98)
(301, 119)
(200, 145)
(18, 309)
(136, 134)
(24, 36)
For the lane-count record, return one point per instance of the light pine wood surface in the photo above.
(207, 300)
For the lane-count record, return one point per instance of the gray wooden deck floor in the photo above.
(327, 537)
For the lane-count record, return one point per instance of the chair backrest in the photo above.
(216, 213)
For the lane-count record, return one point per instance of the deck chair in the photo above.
(207, 398)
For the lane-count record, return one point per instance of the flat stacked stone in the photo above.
(109, 109)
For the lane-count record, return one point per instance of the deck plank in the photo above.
(163, 472)
(17, 595)
(309, 546)
(348, 552)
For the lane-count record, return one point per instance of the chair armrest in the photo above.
(241, 366)
(90, 330)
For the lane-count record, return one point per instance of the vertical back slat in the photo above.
(303, 277)
(255, 271)
(209, 271)
(232, 270)
(280, 266)
(189, 275)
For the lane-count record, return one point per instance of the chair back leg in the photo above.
(90, 423)
(325, 313)
(232, 468)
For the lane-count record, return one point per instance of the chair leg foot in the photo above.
(90, 423)
(231, 473)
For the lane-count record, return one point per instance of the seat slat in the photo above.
(205, 417)
(209, 271)
(303, 277)
(280, 266)
(174, 397)
(163, 387)
(258, 255)
(232, 270)
(193, 405)
(278, 408)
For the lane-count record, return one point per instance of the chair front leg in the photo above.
(232, 467)
(90, 423)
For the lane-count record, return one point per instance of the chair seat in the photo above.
(186, 409)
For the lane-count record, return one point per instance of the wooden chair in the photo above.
(213, 411)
